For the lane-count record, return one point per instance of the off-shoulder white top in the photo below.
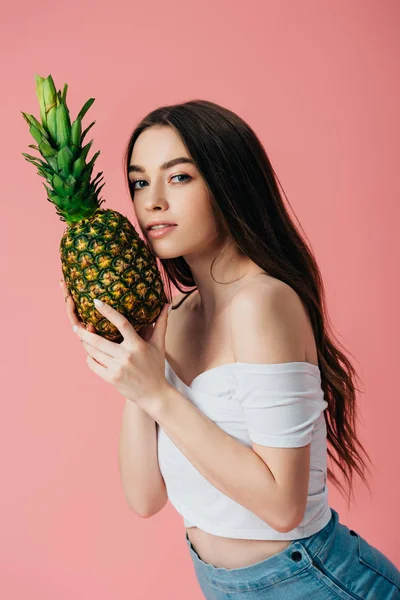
(278, 405)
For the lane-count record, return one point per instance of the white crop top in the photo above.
(278, 405)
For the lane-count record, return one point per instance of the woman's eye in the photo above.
(133, 184)
(181, 175)
(173, 177)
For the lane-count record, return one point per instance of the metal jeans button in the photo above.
(296, 556)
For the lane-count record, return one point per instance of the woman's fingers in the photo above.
(71, 308)
(73, 315)
(103, 359)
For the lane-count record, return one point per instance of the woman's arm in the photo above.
(230, 466)
(142, 482)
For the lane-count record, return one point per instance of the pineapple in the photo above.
(102, 255)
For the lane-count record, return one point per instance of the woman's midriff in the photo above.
(232, 553)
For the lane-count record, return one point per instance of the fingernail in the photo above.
(98, 302)
(75, 328)
(61, 282)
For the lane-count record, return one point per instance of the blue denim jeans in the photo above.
(336, 562)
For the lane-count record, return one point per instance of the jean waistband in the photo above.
(295, 557)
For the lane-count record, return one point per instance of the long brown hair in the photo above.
(247, 202)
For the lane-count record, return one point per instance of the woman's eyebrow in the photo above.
(164, 166)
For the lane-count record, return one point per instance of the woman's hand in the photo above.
(145, 332)
(136, 367)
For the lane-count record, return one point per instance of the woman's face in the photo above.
(177, 194)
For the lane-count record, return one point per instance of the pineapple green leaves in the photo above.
(64, 166)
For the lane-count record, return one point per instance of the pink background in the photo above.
(318, 81)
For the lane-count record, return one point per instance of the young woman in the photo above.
(257, 393)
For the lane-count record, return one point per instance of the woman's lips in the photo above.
(156, 233)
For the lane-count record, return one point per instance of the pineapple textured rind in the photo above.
(103, 257)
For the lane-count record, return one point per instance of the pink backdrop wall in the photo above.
(318, 81)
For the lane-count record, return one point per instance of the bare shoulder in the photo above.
(269, 323)
(268, 294)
